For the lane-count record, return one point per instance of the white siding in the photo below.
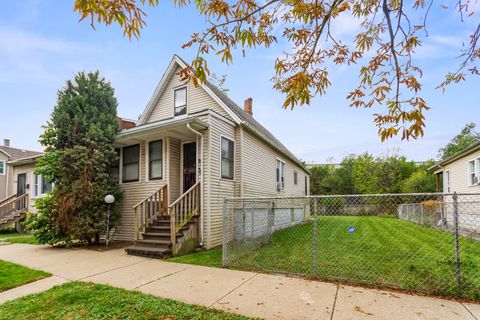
(197, 100)
(459, 170)
(134, 192)
(259, 170)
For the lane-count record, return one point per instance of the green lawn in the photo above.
(12, 237)
(79, 300)
(383, 252)
(13, 275)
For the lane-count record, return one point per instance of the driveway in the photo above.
(247, 293)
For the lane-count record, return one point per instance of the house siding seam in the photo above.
(219, 188)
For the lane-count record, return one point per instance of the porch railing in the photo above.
(183, 210)
(153, 206)
(2, 202)
(15, 205)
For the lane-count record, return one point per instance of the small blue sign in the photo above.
(351, 229)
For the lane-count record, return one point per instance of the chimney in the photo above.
(6, 142)
(248, 106)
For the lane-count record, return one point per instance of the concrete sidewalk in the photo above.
(247, 293)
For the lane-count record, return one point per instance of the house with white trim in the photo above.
(191, 148)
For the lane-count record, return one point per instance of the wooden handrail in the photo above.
(184, 194)
(7, 199)
(14, 206)
(183, 209)
(151, 207)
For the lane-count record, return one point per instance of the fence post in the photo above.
(457, 246)
(271, 221)
(224, 235)
(314, 235)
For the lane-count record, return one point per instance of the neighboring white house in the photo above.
(191, 148)
(461, 172)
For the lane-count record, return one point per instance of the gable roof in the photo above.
(16, 154)
(462, 153)
(237, 113)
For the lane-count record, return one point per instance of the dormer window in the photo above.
(180, 96)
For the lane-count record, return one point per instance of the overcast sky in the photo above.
(42, 44)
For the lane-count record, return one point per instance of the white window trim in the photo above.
(476, 171)
(447, 186)
(38, 193)
(186, 101)
(147, 159)
(120, 174)
(234, 154)
(283, 175)
(295, 173)
(4, 168)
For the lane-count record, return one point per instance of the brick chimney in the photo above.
(248, 106)
(6, 142)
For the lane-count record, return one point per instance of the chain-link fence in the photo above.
(427, 243)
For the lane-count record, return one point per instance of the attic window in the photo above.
(180, 96)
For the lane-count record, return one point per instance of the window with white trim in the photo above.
(474, 171)
(2, 167)
(41, 186)
(180, 101)
(280, 175)
(131, 163)
(155, 164)
(227, 154)
(446, 181)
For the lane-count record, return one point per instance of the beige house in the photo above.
(19, 186)
(191, 148)
(461, 172)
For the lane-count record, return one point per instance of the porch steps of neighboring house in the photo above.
(156, 242)
(13, 209)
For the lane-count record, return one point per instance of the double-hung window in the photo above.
(474, 171)
(131, 163)
(155, 166)
(180, 101)
(280, 175)
(227, 155)
(41, 186)
(2, 167)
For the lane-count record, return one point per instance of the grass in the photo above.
(382, 252)
(13, 275)
(80, 300)
(12, 237)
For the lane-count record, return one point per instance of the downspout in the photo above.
(201, 181)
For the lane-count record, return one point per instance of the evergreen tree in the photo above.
(78, 154)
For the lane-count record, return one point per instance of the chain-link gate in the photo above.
(427, 243)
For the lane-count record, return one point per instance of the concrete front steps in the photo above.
(155, 241)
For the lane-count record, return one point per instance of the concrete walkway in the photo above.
(247, 293)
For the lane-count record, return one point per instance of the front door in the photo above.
(189, 165)
(21, 189)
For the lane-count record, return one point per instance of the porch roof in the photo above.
(173, 127)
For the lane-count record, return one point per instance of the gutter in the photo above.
(201, 181)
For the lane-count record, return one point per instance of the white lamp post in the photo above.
(109, 199)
